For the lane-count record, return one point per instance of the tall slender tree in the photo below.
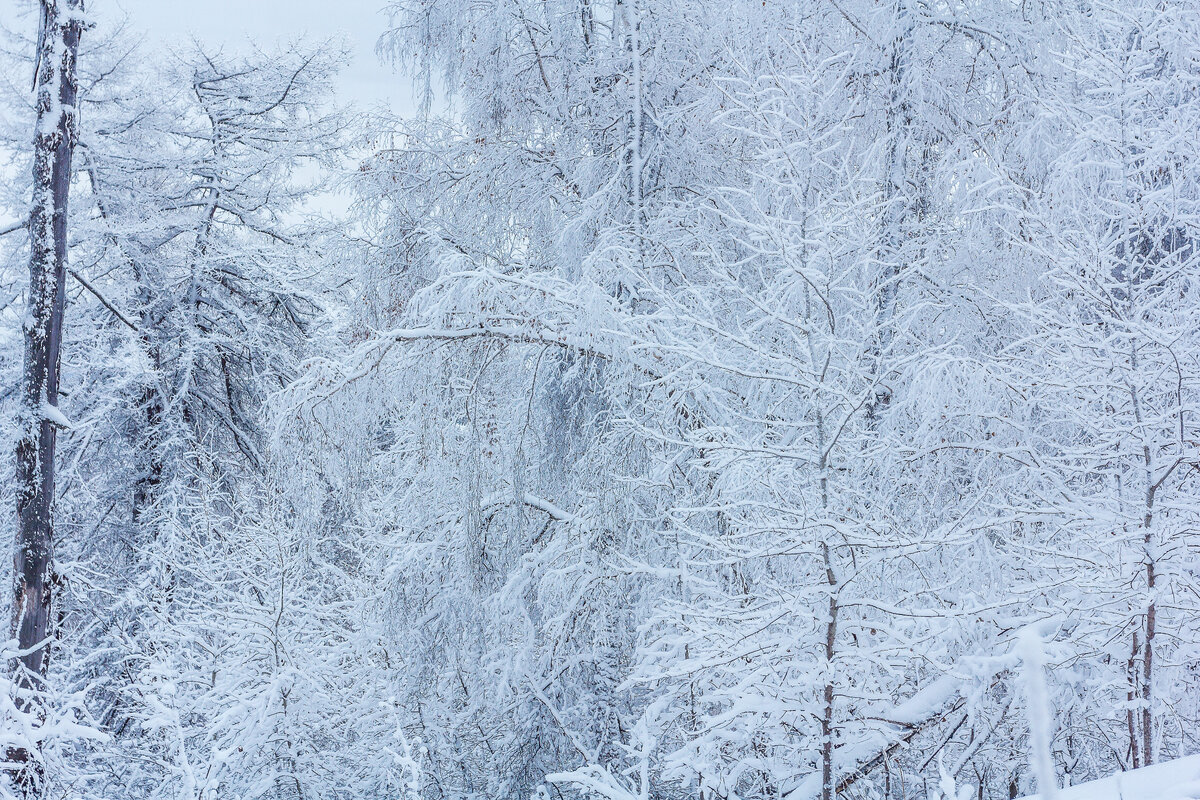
(56, 89)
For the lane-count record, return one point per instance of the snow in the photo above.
(1033, 664)
(719, 399)
(55, 415)
(924, 704)
(1170, 780)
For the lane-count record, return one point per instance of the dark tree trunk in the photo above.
(829, 783)
(1130, 712)
(56, 87)
(146, 488)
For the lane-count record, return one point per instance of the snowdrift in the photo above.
(1171, 780)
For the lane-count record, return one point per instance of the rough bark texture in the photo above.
(54, 141)
(1130, 719)
(829, 785)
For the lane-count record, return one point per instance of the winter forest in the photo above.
(682, 400)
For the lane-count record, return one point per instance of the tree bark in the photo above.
(1148, 667)
(56, 89)
(1130, 711)
(829, 783)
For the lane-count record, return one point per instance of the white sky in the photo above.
(366, 81)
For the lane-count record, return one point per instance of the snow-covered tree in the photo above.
(715, 400)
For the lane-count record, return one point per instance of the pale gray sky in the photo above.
(234, 22)
(366, 81)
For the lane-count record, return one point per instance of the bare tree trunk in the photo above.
(829, 783)
(56, 87)
(146, 487)
(829, 778)
(1148, 664)
(1151, 578)
(1130, 712)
